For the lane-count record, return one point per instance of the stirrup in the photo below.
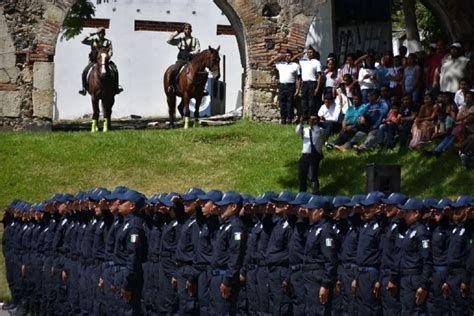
(119, 90)
(83, 91)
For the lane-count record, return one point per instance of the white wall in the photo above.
(320, 34)
(143, 56)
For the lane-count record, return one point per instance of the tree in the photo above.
(413, 36)
(73, 24)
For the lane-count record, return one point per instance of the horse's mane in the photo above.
(202, 55)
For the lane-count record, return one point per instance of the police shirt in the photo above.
(277, 250)
(368, 250)
(458, 248)
(440, 242)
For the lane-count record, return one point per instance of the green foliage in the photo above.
(248, 157)
(74, 21)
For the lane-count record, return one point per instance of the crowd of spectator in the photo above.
(374, 102)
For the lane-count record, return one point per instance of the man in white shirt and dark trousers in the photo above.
(288, 72)
(310, 72)
(313, 139)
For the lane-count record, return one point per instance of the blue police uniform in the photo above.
(228, 256)
(416, 262)
(470, 262)
(59, 265)
(437, 304)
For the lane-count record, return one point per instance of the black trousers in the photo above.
(307, 98)
(286, 94)
(307, 163)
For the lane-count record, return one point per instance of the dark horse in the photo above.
(190, 84)
(101, 87)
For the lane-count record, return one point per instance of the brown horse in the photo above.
(190, 84)
(101, 87)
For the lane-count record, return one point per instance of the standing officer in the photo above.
(185, 253)
(415, 260)
(129, 252)
(296, 252)
(437, 303)
(276, 255)
(457, 286)
(97, 43)
(366, 285)
(392, 227)
(470, 257)
(289, 73)
(228, 256)
(320, 264)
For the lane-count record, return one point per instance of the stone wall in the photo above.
(29, 30)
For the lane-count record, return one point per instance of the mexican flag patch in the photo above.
(134, 238)
(237, 236)
(425, 243)
(330, 242)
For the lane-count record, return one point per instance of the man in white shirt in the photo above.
(289, 73)
(330, 114)
(454, 67)
(464, 87)
(313, 139)
(311, 70)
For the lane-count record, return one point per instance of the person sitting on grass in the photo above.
(349, 125)
(409, 111)
(446, 121)
(467, 152)
(389, 126)
(423, 127)
(329, 115)
(464, 126)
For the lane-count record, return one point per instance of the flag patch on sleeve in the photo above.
(330, 242)
(134, 238)
(237, 236)
(425, 243)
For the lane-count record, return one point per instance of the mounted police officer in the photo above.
(188, 47)
(97, 43)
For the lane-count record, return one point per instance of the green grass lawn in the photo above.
(247, 157)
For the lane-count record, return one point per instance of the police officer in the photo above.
(456, 287)
(437, 303)
(129, 253)
(320, 263)
(208, 224)
(263, 205)
(470, 257)
(366, 285)
(188, 47)
(185, 253)
(296, 245)
(97, 43)
(276, 255)
(416, 263)
(228, 256)
(392, 227)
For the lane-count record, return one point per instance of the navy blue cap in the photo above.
(38, 207)
(248, 199)
(55, 198)
(230, 198)
(167, 199)
(135, 197)
(155, 198)
(115, 194)
(412, 204)
(430, 202)
(98, 194)
(395, 199)
(25, 206)
(213, 195)
(301, 198)
(285, 197)
(340, 200)
(66, 198)
(356, 199)
(13, 203)
(463, 201)
(443, 203)
(373, 198)
(192, 194)
(265, 197)
(317, 201)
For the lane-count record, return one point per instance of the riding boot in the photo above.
(94, 126)
(315, 187)
(186, 122)
(106, 126)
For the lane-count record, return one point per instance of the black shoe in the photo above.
(83, 91)
(283, 122)
(119, 90)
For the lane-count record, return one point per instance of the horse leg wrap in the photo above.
(94, 126)
(106, 125)
(196, 123)
(186, 122)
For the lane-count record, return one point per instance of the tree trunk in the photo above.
(413, 36)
